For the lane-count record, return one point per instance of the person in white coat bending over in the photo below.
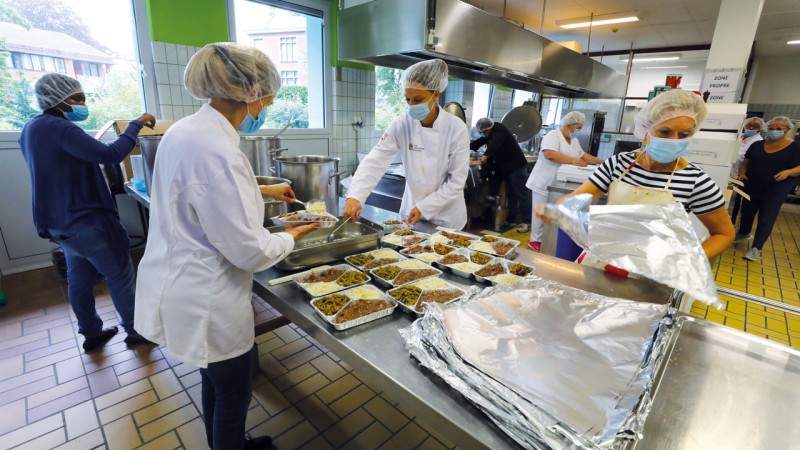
(207, 236)
(559, 147)
(434, 147)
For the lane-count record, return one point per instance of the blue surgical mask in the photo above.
(665, 150)
(775, 134)
(250, 125)
(79, 113)
(419, 111)
(750, 133)
(574, 134)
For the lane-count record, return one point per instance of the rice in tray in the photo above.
(365, 292)
(506, 278)
(318, 289)
(384, 253)
(428, 257)
(316, 207)
(466, 267)
(482, 247)
(411, 264)
(431, 283)
(442, 239)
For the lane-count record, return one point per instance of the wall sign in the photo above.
(722, 86)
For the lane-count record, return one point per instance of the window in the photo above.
(97, 46)
(258, 42)
(481, 102)
(289, 77)
(389, 97)
(293, 39)
(288, 47)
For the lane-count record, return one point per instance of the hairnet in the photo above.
(757, 120)
(573, 118)
(429, 75)
(232, 71)
(52, 89)
(669, 105)
(782, 120)
(484, 124)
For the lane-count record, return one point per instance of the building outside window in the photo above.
(258, 42)
(293, 39)
(97, 46)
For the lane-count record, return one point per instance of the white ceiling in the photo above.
(664, 23)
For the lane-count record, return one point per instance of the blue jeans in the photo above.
(226, 393)
(98, 243)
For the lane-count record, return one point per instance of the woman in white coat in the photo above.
(434, 147)
(207, 237)
(559, 147)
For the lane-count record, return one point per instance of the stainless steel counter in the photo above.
(377, 350)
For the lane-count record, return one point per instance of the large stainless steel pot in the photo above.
(149, 147)
(261, 151)
(272, 207)
(313, 178)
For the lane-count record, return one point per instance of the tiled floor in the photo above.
(54, 396)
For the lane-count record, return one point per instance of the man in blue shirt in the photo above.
(72, 205)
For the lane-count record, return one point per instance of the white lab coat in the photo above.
(544, 173)
(436, 162)
(206, 239)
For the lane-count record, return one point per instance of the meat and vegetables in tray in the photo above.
(495, 246)
(393, 275)
(502, 271)
(375, 258)
(353, 307)
(463, 262)
(333, 279)
(403, 238)
(428, 251)
(395, 224)
(295, 218)
(415, 296)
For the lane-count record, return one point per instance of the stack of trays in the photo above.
(325, 220)
(353, 307)
(428, 251)
(502, 271)
(463, 262)
(403, 238)
(414, 296)
(326, 281)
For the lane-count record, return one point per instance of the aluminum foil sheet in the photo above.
(553, 366)
(655, 241)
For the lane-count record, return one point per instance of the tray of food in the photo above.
(428, 251)
(502, 271)
(494, 245)
(303, 217)
(376, 258)
(413, 297)
(395, 224)
(403, 238)
(353, 307)
(463, 262)
(392, 276)
(458, 239)
(330, 280)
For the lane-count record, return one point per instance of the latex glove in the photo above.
(281, 192)
(352, 209)
(413, 217)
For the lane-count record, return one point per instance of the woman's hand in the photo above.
(782, 175)
(539, 212)
(281, 192)
(579, 162)
(352, 209)
(413, 217)
(301, 230)
(742, 178)
(147, 120)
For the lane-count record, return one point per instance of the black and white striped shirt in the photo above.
(690, 185)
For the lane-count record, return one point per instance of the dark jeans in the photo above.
(767, 210)
(98, 243)
(736, 204)
(519, 204)
(226, 392)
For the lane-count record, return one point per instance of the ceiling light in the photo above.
(794, 42)
(659, 57)
(663, 67)
(604, 19)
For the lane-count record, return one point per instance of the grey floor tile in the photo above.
(103, 381)
(58, 405)
(270, 398)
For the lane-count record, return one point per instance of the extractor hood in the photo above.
(476, 45)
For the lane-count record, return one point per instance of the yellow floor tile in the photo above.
(754, 319)
(714, 316)
(736, 308)
(738, 324)
(776, 325)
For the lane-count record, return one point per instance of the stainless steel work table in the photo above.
(377, 349)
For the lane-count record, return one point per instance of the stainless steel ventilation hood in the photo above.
(476, 45)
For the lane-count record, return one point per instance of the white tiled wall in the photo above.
(772, 110)
(353, 95)
(174, 102)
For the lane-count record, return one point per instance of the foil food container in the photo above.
(499, 279)
(307, 286)
(428, 257)
(392, 240)
(510, 254)
(391, 283)
(372, 253)
(361, 320)
(413, 308)
(440, 237)
(461, 273)
(288, 221)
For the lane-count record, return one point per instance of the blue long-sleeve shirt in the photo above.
(66, 181)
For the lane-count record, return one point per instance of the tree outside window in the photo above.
(389, 98)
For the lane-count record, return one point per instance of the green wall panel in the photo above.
(188, 22)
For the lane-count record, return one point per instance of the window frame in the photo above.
(288, 48)
(304, 7)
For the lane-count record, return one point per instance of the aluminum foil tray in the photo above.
(380, 251)
(428, 257)
(395, 226)
(309, 287)
(447, 237)
(391, 283)
(458, 272)
(379, 295)
(499, 279)
(413, 308)
(293, 221)
(394, 241)
(313, 250)
(480, 247)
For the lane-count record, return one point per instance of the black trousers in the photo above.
(736, 204)
(226, 393)
(767, 210)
